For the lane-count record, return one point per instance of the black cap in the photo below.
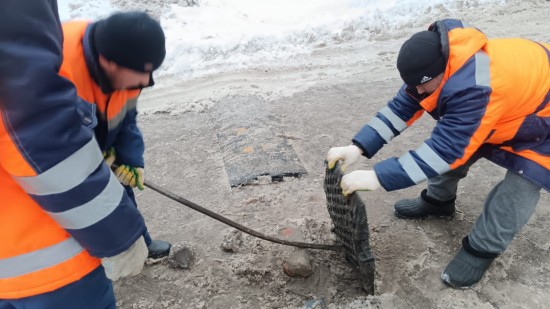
(420, 58)
(131, 39)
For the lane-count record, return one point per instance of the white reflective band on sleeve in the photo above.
(67, 174)
(412, 169)
(432, 159)
(483, 70)
(44, 258)
(115, 121)
(382, 129)
(131, 103)
(95, 210)
(397, 123)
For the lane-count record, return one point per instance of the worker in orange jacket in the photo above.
(491, 99)
(67, 224)
(110, 61)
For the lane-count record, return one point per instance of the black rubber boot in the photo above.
(468, 267)
(159, 249)
(424, 206)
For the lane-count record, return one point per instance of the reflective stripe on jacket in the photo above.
(116, 110)
(493, 102)
(37, 254)
(61, 208)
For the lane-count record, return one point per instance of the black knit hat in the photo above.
(131, 39)
(420, 58)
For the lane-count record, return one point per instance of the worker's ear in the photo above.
(106, 64)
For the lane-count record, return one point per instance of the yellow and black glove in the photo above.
(130, 176)
(109, 156)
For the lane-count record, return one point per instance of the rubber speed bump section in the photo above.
(349, 217)
(250, 147)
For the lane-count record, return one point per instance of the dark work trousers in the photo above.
(506, 209)
(93, 291)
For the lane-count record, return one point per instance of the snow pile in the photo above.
(211, 36)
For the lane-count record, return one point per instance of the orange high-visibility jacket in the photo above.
(117, 111)
(61, 208)
(493, 102)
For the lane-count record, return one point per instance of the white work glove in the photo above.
(128, 263)
(130, 176)
(348, 154)
(359, 181)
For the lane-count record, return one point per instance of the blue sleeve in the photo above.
(129, 146)
(50, 128)
(454, 140)
(387, 123)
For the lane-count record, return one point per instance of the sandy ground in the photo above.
(317, 102)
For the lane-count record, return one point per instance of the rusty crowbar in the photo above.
(238, 226)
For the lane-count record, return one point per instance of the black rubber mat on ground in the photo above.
(349, 217)
(250, 147)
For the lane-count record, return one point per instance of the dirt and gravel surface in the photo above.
(318, 101)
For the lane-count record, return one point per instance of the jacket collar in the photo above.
(92, 61)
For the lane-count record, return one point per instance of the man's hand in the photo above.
(109, 156)
(348, 154)
(128, 263)
(130, 176)
(359, 181)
